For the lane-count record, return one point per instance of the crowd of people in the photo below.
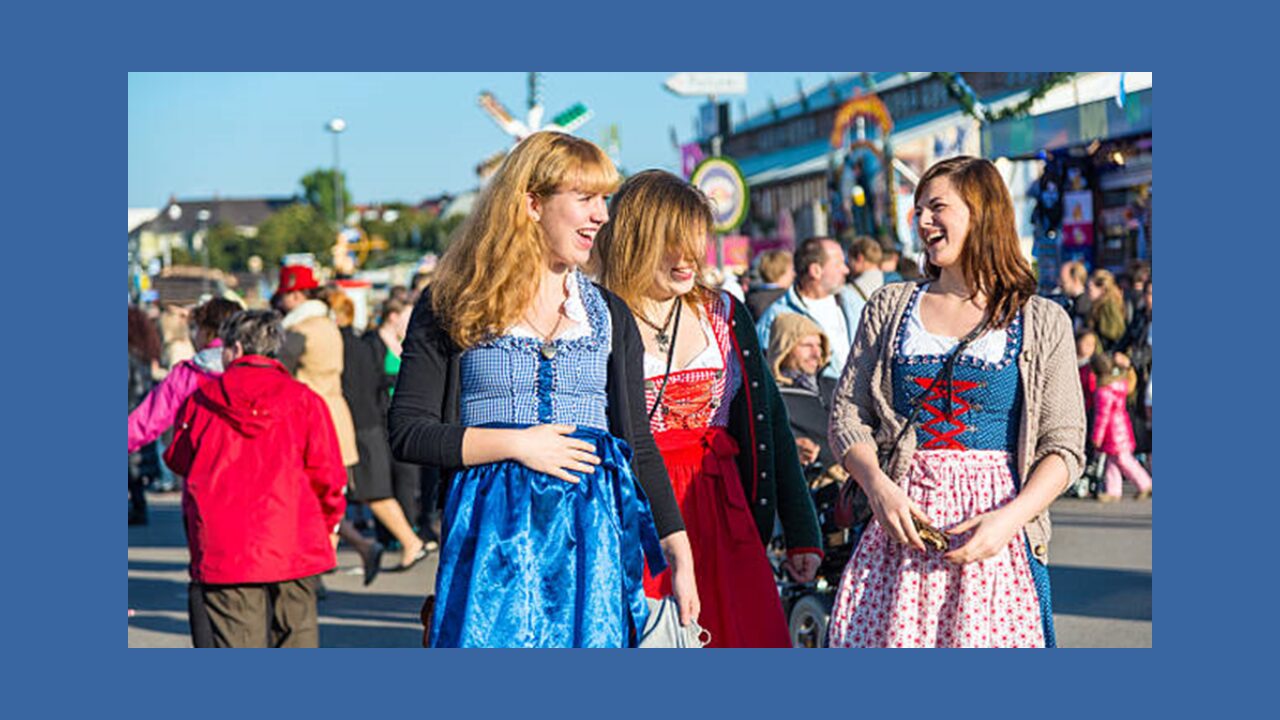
(589, 427)
(256, 427)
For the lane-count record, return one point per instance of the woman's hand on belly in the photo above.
(548, 449)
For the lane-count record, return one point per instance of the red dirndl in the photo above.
(740, 602)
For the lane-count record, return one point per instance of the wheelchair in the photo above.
(808, 605)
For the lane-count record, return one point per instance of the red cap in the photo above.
(296, 277)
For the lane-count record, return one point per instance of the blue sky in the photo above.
(409, 136)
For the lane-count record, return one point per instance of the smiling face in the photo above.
(942, 221)
(1086, 345)
(806, 356)
(677, 273)
(569, 220)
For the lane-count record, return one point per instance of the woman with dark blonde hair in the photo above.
(966, 385)
(1106, 313)
(525, 377)
(714, 410)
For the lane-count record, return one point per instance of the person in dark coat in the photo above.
(798, 350)
(363, 386)
(776, 276)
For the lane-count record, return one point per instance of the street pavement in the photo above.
(1100, 565)
(1100, 572)
(385, 614)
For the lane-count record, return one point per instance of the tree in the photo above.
(411, 229)
(296, 228)
(395, 224)
(439, 233)
(227, 248)
(317, 188)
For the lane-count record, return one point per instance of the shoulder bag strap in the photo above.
(671, 354)
(947, 372)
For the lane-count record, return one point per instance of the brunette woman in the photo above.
(967, 384)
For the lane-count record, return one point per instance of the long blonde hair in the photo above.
(654, 213)
(1106, 282)
(490, 272)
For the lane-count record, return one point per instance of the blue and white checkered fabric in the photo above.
(507, 380)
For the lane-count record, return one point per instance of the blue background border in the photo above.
(67, 139)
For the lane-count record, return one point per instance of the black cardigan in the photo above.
(361, 381)
(424, 419)
(768, 463)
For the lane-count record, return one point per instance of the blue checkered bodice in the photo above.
(985, 396)
(508, 380)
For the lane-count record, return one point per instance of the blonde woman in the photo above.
(714, 410)
(526, 378)
(1106, 312)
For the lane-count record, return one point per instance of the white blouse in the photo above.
(989, 347)
(708, 359)
(574, 310)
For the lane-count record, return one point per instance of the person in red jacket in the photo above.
(263, 492)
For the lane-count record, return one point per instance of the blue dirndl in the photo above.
(530, 560)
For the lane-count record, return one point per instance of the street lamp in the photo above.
(203, 218)
(337, 126)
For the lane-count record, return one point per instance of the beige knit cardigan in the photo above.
(1053, 420)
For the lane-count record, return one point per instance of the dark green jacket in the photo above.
(772, 479)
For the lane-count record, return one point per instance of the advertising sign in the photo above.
(722, 182)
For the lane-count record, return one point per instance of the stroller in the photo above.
(808, 605)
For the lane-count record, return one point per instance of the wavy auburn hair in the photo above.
(490, 272)
(991, 259)
(653, 214)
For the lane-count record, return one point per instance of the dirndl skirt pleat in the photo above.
(530, 560)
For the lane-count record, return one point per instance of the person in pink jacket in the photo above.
(156, 412)
(1113, 433)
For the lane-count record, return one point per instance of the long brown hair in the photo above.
(490, 272)
(653, 214)
(991, 260)
(144, 339)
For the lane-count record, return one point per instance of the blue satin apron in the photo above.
(530, 560)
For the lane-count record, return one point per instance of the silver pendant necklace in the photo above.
(663, 336)
(548, 348)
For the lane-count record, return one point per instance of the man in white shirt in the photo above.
(820, 294)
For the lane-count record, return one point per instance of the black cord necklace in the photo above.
(663, 337)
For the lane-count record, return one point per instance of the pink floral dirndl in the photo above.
(894, 596)
(891, 595)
